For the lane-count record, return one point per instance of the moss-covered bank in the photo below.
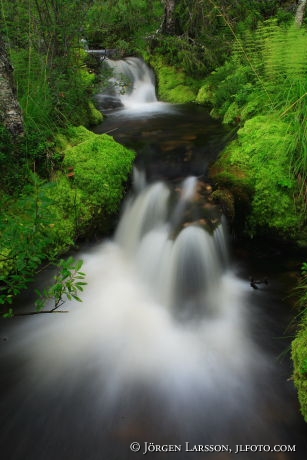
(95, 172)
(174, 85)
(47, 218)
(255, 169)
(299, 357)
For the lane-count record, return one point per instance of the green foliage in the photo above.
(124, 24)
(56, 96)
(299, 345)
(54, 85)
(228, 90)
(33, 89)
(68, 282)
(205, 32)
(179, 51)
(301, 291)
(24, 238)
(51, 27)
(265, 71)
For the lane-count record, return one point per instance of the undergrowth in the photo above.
(46, 218)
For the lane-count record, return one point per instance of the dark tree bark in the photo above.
(169, 21)
(300, 12)
(10, 111)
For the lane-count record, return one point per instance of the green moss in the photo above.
(203, 95)
(181, 94)
(100, 168)
(90, 189)
(76, 135)
(173, 84)
(299, 357)
(258, 160)
(61, 142)
(70, 218)
(95, 116)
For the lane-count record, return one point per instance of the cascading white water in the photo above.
(157, 311)
(183, 272)
(132, 82)
(131, 86)
(159, 347)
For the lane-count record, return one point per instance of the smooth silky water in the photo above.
(170, 346)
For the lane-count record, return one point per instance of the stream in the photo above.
(171, 353)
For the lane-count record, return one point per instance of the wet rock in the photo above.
(105, 102)
(226, 200)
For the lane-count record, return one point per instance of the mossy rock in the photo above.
(99, 168)
(299, 357)
(173, 84)
(204, 95)
(181, 95)
(257, 164)
(77, 134)
(87, 194)
(94, 115)
(234, 189)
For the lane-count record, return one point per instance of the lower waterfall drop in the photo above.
(161, 314)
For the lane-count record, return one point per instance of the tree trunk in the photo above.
(169, 21)
(300, 11)
(10, 111)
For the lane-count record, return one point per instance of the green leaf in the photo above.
(9, 314)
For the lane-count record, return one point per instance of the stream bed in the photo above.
(171, 353)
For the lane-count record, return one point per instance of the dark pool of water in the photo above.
(172, 142)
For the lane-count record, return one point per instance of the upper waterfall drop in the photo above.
(131, 84)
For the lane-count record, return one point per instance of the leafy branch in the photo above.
(68, 283)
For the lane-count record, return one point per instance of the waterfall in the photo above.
(131, 84)
(160, 294)
(181, 272)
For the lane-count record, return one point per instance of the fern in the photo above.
(268, 74)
